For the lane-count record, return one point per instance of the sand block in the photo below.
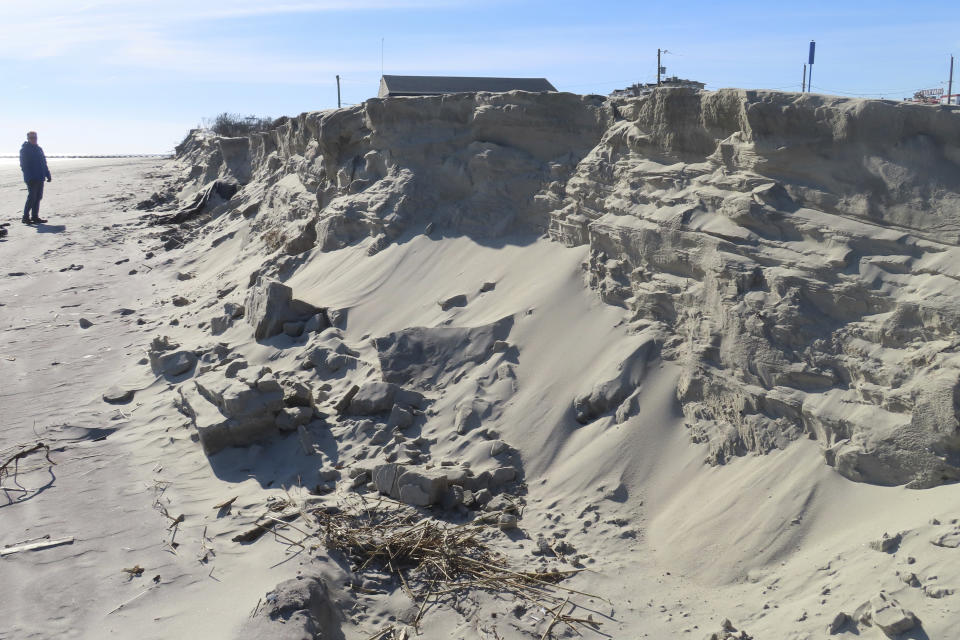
(459, 300)
(412, 485)
(231, 311)
(887, 614)
(937, 592)
(400, 418)
(887, 543)
(456, 475)
(379, 397)
(316, 323)
(297, 608)
(118, 395)
(219, 324)
(330, 354)
(373, 397)
(412, 494)
(466, 418)
(230, 412)
(385, 477)
(292, 417)
(502, 475)
(175, 364)
(951, 539)
(296, 393)
(268, 383)
(839, 623)
(270, 305)
(429, 354)
(167, 359)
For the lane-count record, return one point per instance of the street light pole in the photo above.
(950, 84)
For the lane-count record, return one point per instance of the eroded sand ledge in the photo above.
(553, 306)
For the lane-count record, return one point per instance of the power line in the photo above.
(891, 92)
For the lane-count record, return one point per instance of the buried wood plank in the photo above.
(35, 546)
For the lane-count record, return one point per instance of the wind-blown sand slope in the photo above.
(790, 252)
(703, 341)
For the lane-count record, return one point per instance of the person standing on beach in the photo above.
(34, 166)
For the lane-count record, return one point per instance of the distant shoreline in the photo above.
(120, 155)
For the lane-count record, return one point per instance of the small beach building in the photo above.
(395, 86)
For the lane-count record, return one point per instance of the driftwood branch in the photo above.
(35, 546)
(20, 455)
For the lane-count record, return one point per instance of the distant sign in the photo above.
(930, 93)
(813, 49)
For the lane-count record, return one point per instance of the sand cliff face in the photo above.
(796, 254)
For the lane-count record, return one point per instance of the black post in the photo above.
(658, 67)
(950, 84)
(803, 85)
(338, 91)
(813, 48)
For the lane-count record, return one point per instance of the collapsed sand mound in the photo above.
(794, 253)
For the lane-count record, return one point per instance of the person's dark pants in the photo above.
(34, 195)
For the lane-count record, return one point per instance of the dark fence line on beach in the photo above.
(124, 155)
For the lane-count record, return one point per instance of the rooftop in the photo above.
(436, 85)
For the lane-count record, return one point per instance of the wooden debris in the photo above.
(136, 597)
(226, 503)
(20, 455)
(556, 617)
(34, 546)
(135, 571)
(390, 633)
(265, 523)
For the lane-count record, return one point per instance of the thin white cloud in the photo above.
(137, 36)
(231, 61)
(52, 28)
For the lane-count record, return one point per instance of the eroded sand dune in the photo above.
(791, 252)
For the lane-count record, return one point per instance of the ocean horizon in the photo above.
(14, 159)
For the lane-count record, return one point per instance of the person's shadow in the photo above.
(50, 228)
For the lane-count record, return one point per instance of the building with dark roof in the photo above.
(395, 86)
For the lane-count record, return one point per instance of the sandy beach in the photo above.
(568, 326)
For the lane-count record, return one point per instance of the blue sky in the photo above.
(128, 76)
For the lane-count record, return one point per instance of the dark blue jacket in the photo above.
(33, 163)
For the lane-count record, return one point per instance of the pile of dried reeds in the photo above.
(435, 560)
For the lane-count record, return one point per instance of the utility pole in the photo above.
(338, 91)
(660, 69)
(813, 49)
(950, 84)
(803, 85)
